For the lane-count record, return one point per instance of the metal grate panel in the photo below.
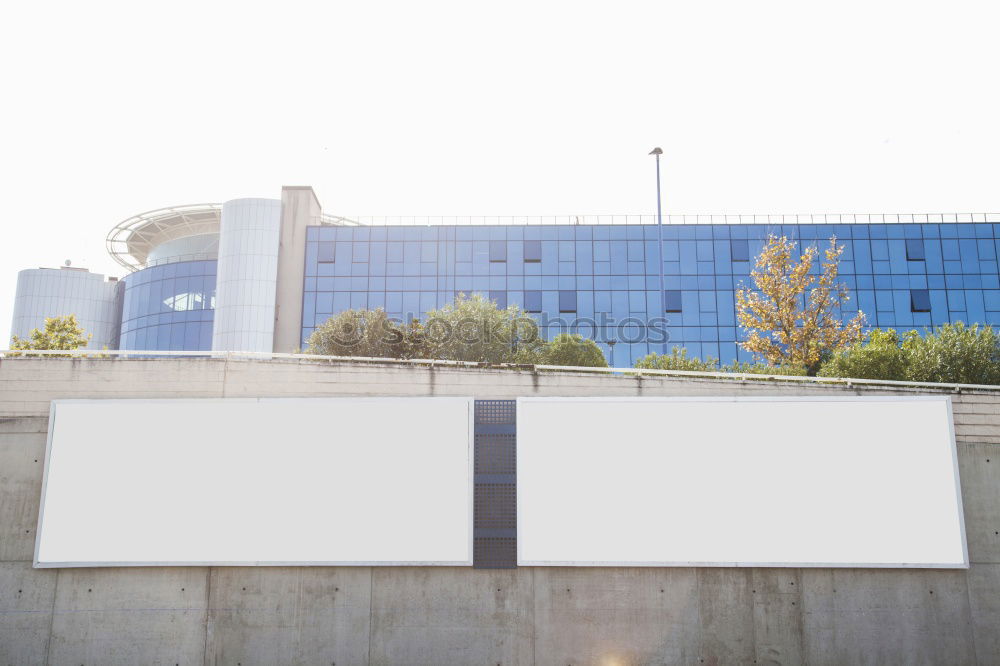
(496, 454)
(495, 507)
(496, 412)
(495, 553)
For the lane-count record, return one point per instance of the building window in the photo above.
(325, 252)
(532, 251)
(672, 300)
(914, 249)
(500, 298)
(533, 301)
(567, 301)
(920, 300)
(740, 250)
(187, 301)
(498, 250)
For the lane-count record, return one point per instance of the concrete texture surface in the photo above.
(129, 616)
(288, 615)
(430, 615)
(439, 616)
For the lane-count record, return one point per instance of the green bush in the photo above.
(880, 356)
(467, 329)
(678, 359)
(363, 333)
(473, 328)
(574, 350)
(764, 369)
(951, 353)
(954, 353)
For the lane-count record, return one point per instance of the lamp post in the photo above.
(659, 239)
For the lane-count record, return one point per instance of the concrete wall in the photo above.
(409, 615)
(299, 209)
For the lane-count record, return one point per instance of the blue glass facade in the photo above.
(603, 281)
(169, 307)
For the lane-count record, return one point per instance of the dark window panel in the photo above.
(533, 301)
(672, 298)
(740, 250)
(914, 249)
(500, 298)
(567, 301)
(532, 251)
(498, 250)
(325, 252)
(920, 300)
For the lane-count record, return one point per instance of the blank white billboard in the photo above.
(825, 482)
(373, 481)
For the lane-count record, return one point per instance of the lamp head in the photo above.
(656, 151)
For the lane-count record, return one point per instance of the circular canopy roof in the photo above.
(130, 242)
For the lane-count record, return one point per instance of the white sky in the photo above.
(428, 108)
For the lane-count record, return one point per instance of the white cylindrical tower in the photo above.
(247, 275)
(58, 292)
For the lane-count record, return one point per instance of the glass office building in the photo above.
(603, 280)
(260, 274)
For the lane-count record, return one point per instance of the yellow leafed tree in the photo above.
(59, 333)
(792, 317)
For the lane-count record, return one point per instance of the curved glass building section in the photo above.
(170, 307)
(169, 299)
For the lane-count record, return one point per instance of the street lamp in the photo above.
(659, 238)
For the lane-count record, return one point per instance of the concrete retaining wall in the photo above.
(410, 615)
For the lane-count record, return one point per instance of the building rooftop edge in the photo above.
(678, 219)
(105, 355)
(130, 241)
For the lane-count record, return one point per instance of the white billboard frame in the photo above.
(964, 564)
(469, 402)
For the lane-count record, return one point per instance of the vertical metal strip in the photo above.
(495, 481)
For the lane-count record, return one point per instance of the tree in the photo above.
(574, 350)
(880, 356)
(473, 328)
(790, 321)
(365, 333)
(59, 333)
